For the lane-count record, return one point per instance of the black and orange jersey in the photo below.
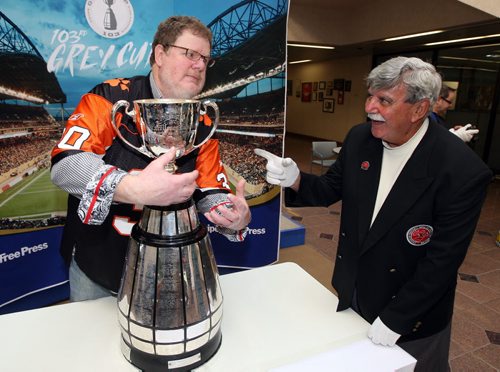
(90, 129)
(100, 249)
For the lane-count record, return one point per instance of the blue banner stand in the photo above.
(32, 271)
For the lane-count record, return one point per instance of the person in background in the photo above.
(108, 182)
(411, 197)
(443, 103)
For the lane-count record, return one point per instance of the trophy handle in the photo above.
(143, 149)
(215, 122)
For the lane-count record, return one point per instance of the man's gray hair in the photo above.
(420, 78)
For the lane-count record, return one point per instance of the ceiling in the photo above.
(357, 27)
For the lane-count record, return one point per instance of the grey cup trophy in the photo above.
(170, 300)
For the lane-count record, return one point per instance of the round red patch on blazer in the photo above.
(419, 235)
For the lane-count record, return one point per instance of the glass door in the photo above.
(474, 72)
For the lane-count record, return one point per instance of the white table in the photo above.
(275, 317)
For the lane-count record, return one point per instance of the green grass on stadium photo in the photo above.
(34, 197)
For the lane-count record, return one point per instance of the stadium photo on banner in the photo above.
(50, 61)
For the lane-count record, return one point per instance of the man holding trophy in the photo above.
(108, 181)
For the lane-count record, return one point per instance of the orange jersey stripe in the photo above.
(89, 127)
(208, 163)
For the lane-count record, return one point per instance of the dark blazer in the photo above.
(404, 267)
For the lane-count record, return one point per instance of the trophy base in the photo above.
(176, 363)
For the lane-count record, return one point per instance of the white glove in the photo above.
(464, 133)
(280, 171)
(379, 333)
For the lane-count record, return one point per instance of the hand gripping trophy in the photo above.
(170, 300)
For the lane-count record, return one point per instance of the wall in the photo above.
(308, 118)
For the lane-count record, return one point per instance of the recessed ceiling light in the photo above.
(311, 46)
(480, 46)
(464, 39)
(465, 68)
(468, 59)
(301, 61)
(413, 35)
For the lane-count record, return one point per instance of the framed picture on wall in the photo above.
(320, 96)
(338, 84)
(322, 85)
(328, 105)
(306, 92)
(340, 97)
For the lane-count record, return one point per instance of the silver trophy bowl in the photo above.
(170, 300)
(166, 123)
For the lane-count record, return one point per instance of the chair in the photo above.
(322, 153)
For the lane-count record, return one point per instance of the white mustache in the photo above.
(376, 117)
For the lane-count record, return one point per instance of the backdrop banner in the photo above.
(54, 52)
(31, 263)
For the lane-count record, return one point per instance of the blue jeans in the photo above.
(81, 287)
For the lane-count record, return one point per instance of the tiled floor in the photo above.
(475, 342)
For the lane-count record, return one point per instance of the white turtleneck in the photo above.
(393, 161)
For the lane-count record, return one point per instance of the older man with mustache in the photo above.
(411, 197)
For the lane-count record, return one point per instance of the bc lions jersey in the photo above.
(100, 249)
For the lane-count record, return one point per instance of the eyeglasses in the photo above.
(194, 56)
(447, 100)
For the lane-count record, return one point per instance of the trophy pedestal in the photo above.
(148, 363)
(170, 300)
